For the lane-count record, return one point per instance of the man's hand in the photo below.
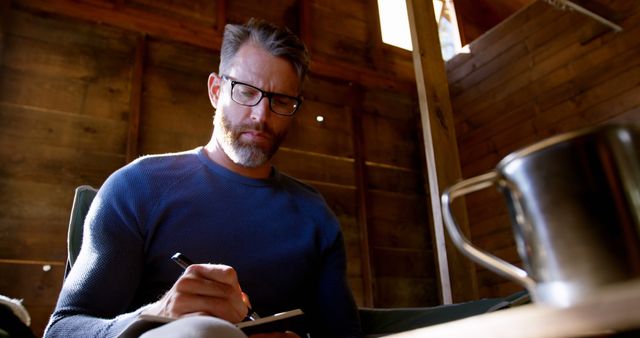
(204, 289)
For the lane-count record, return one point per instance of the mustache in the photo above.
(255, 126)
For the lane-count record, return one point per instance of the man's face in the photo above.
(250, 136)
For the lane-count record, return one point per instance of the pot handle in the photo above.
(463, 244)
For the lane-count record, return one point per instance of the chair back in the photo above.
(82, 199)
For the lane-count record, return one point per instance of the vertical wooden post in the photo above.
(355, 107)
(136, 99)
(457, 274)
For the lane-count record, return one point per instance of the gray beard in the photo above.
(246, 154)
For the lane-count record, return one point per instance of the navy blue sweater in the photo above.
(278, 234)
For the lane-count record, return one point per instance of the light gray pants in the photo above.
(196, 327)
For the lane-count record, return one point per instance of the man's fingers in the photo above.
(217, 272)
(210, 289)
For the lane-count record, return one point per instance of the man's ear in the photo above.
(213, 85)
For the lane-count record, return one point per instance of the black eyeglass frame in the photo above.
(263, 94)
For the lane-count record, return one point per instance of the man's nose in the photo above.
(261, 111)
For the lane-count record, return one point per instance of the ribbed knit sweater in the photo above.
(277, 233)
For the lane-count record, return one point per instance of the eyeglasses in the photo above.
(248, 95)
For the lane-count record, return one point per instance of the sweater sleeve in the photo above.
(331, 310)
(337, 314)
(97, 294)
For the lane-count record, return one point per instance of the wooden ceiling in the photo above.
(478, 16)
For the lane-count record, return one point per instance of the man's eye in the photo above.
(248, 92)
(282, 101)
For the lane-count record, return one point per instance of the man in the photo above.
(275, 243)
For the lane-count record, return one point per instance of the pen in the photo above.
(184, 262)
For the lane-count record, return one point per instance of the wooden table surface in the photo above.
(613, 309)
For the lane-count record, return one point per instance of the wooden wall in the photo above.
(540, 73)
(86, 86)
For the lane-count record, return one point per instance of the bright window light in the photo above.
(394, 23)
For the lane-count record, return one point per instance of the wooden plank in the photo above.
(341, 200)
(179, 56)
(333, 91)
(619, 104)
(409, 263)
(500, 244)
(24, 88)
(306, 32)
(396, 141)
(394, 179)
(34, 219)
(157, 142)
(178, 90)
(400, 234)
(201, 12)
(49, 59)
(406, 292)
(332, 136)
(351, 27)
(443, 165)
(392, 104)
(354, 9)
(492, 225)
(467, 92)
(221, 17)
(136, 100)
(159, 114)
(600, 65)
(134, 20)
(281, 13)
(354, 109)
(503, 37)
(317, 167)
(366, 76)
(97, 97)
(398, 208)
(197, 35)
(497, 81)
(45, 163)
(69, 32)
(5, 8)
(65, 130)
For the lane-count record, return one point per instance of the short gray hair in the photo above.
(280, 42)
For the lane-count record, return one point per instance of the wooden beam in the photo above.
(355, 109)
(457, 274)
(364, 76)
(206, 37)
(136, 99)
(134, 20)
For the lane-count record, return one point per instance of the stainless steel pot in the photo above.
(574, 205)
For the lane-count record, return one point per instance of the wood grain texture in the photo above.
(456, 274)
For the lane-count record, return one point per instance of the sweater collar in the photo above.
(222, 171)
